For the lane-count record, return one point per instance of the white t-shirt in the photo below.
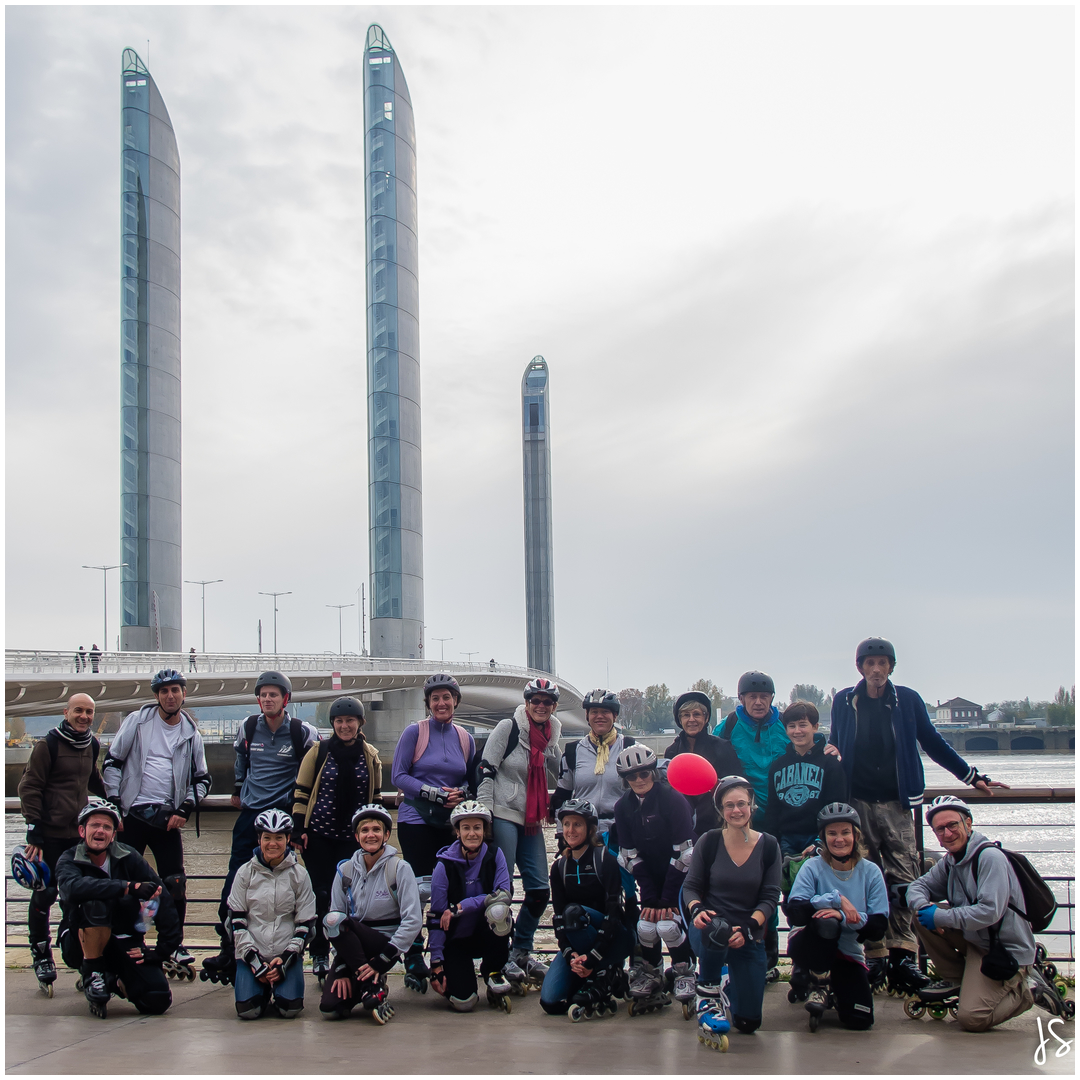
(157, 779)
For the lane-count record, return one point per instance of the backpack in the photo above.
(296, 734)
(390, 870)
(598, 864)
(1038, 899)
(423, 737)
(570, 753)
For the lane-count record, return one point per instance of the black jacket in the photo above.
(798, 788)
(576, 882)
(79, 880)
(721, 755)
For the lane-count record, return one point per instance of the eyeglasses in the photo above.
(948, 827)
(639, 775)
(543, 702)
(736, 806)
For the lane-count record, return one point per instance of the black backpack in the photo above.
(570, 753)
(296, 734)
(1038, 899)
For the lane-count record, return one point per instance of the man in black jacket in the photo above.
(103, 886)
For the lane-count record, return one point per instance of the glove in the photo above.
(142, 890)
(926, 916)
(386, 959)
(980, 776)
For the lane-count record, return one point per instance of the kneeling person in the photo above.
(470, 912)
(374, 916)
(107, 892)
(272, 913)
(840, 900)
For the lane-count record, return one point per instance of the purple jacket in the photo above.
(442, 765)
(476, 892)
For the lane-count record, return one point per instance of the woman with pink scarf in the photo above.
(519, 760)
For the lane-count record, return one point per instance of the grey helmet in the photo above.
(581, 807)
(98, 805)
(947, 802)
(601, 699)
(634, 758)
(834, 812)
(756, 681)
(274, 678)
(375, 811)
(441, 681)
(347, 706)
(874, 646)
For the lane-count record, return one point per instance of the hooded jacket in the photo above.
(799, 786)
(911, 729)
(471, 883)
(976, 906)
(126, 759)
(503, 793)
(370, 901)
(273, 903)
(758, 745)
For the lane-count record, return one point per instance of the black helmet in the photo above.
(692, 695)
(166, 677)
(756, 682)
(836, 811)
(725, 784)
(581, 807)
(273, 678)
(442, 682)
(541, 686)
(347, 706)
(601, 699)
(874, 646)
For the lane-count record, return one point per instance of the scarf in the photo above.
(346, 798)
(603, 750)
(70, 735)
(536, 792)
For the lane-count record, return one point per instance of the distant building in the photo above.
(959, 710)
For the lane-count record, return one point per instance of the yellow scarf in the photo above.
(603, 750)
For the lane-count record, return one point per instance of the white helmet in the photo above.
(373, 810)
(273, 821)
(470, 808)
(634, 758)
(947, 802)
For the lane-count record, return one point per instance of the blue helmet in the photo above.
(30, 874)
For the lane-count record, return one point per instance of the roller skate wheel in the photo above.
(505, 1003)
(1048, 971)
(814, 1020)
(576, 1014)
(1070, 1009)
(723, 1044)
(630, 1008)
(954, 1011)
(937, 1012)
(1062, 987)
(1040, 953)
(47, 989)
(914, 1008)
(687, 1012)
(78, 985)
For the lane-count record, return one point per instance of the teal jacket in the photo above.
(758, 746)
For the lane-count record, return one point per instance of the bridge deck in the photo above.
(201, 1034)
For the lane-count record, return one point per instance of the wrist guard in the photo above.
(433, 794)
(386, 959)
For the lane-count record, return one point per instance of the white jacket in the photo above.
(275, 901)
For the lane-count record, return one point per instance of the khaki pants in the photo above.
(889, 834)
(984, 1002)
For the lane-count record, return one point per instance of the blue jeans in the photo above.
(746, 972)
(629, 883)
(531, 857)
(560, 982)
(291, 987)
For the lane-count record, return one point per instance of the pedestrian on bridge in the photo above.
(95, 658)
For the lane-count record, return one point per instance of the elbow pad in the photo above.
(238, 921)
(433, 794)
(683, 852)
(629, 858)
(302, 934)
(485, 771)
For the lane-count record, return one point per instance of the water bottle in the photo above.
(147, 910)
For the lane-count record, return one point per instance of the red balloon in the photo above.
(691, 775)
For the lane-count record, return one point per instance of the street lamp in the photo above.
(470, 655)
(105, 598)
(188, 581)
(442, 647)
(361, 613)
(275, 595)
(339, 607)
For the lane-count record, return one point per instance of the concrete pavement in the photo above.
(201, 1034)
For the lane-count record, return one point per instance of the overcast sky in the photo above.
(803, 277)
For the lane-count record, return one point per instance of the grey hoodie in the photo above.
(972, 909)
(370, 901)
(504, 793)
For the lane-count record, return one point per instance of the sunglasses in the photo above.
(543, 702)
(640, 774)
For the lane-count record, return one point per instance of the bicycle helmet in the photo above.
(166, 677)
(29, 873)
(541, 686)
(373, 810)
(874, 646)
(581, 807)
(634, 758)
(837, 811)
(347, 706)
(725, 784)
(601, 699)
(273, 821)
(470, 808)
(947, 802)
(99, 806)
(756, 681)
(273, 678)
(441, 681)
(685, 699)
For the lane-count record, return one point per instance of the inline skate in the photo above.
(593, 998)
(44, 968)
(714, 1014)
(878, 973)
(417, 972)
(905, 978)
(220, 968)
(939, 999)
(96, 988)
(180, 965)
(373, 1000)
(499, 990)
(684, 987)
(320, 968)
(646, 989)
(819, 997)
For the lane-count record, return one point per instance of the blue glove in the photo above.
(926, 916)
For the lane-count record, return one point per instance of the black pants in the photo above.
(849, 980)
(492, 950)
(421, 843)
(37, 912)
(167, 847)
(354, 943)
(321, 857)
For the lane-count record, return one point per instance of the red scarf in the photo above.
(536, 792)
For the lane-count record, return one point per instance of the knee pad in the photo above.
(252, 1008)
(574, 917)
(745, 1025)
(94, 913)
(647, 933)
(289, 1008)
(827, 929)
(498, 914)
(671, 933)
(554, 1008)
(176, 885)
(153, 1002)
(535, 901)
(424, 885)
(464, 1004)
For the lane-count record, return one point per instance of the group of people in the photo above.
(822, 829)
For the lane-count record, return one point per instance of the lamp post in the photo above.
(339, 607)
(470, 655)
(275, 595)
(105, 598)
(442, 646)
(214, 581)
(362, 612)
